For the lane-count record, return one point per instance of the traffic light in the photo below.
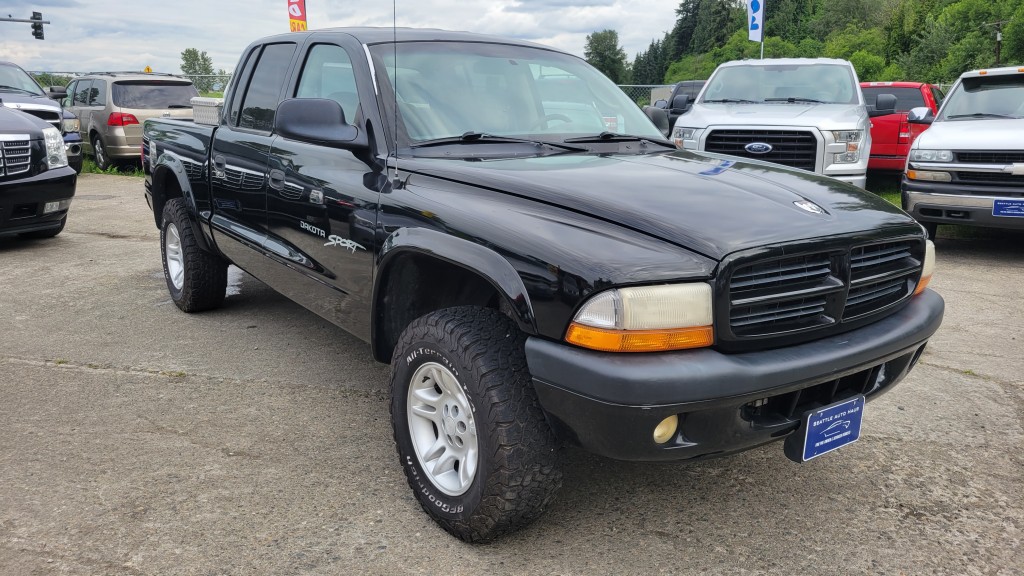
(37, 27)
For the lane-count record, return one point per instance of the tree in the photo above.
(196, 64)
(603, 52)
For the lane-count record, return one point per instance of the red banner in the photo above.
(297, 15)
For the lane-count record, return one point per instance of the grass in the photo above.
(212, 94)
(126, 169)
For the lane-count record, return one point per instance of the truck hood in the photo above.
(1001, 134)
(14, 122)
(713, 205)
(24, 101)
(823, 116)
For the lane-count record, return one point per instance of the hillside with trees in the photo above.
(924, 40)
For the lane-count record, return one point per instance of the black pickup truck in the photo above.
(36, 183)
(537, 263)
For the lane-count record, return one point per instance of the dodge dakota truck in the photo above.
(535, 277)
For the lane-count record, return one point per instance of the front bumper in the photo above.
(726, 403)
(22, 201)
(858, 180)
(951, 203)
(887, 163)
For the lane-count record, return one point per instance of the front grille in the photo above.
(49, 116)
(993, 157)
(777, 297)
(795, 148)
(15, 157)
(989, 178)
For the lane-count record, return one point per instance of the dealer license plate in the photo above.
(1011, 208)
(832, 427)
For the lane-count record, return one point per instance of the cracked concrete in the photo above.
(255, 439)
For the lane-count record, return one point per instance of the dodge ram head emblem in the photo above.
(809, 206)
(758, 148)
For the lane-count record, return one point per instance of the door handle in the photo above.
(276, 179)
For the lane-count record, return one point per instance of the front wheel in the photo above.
(196, 279)
(471, 436)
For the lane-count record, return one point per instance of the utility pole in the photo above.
(999, 36)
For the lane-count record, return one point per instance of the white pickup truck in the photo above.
(804, 113)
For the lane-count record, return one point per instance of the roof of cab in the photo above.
(994, 72)
(371, 35)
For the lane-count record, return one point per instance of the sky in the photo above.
(109, 35)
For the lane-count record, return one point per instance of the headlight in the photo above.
(55, 154)
(928, 269)
(645, 319)
(681, 135)
(931, 155)
(72, 125)
(853, 140)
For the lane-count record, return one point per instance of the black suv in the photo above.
(36, 183)
(20, 91)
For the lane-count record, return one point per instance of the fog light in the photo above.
(51, 207)
(666, 429)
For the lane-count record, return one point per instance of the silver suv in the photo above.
(113, 105)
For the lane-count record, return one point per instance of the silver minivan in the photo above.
(113, 105)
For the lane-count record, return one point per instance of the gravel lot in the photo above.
(135, 439)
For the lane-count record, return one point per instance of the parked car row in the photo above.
(812, 114)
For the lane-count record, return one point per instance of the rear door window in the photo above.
(153, 95)
(98, 93)
(264, 93)
(906, 98)
(82, 93)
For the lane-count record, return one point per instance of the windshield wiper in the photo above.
(5, 87)
(616, 137)
(730, 101)
(794, 99)
(485, 138)
(981, 115)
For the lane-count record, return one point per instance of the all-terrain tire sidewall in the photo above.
(433, 500)
(205, 274)
(517, 468)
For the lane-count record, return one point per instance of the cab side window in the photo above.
(98, 93)
(263, 94)
(328, 74)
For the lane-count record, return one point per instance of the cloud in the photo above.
(111, 35)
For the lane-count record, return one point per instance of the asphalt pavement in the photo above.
(255, 439)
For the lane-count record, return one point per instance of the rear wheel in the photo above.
(471, 436)
(196, 279)
(100, 153)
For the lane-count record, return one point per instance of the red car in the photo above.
(892, 135)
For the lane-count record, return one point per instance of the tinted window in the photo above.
(263, 96)
(906, 98)
(98, 93)
(938, 95)
(82, 93)
(235, 91)
(149, 94)
(328, 74)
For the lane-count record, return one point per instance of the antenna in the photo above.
(395, 182)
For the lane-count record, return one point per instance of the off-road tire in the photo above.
(205, 274)
(517, 469)
(41, 234)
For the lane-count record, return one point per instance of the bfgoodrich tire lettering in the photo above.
(516, 460)
(196, 279)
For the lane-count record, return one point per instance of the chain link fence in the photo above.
(644, 94)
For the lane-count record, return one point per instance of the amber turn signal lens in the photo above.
(639, 340)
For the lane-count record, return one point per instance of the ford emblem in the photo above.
(758, 148)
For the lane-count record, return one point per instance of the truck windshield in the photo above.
(447, 89)
(986, 97)
(828, 83)
(12, 77)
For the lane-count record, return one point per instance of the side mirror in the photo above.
(660, 119)
(920, 115)
(681, 102)
(884, 104)
(317, 121)
(57, 92)
(662, 103)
